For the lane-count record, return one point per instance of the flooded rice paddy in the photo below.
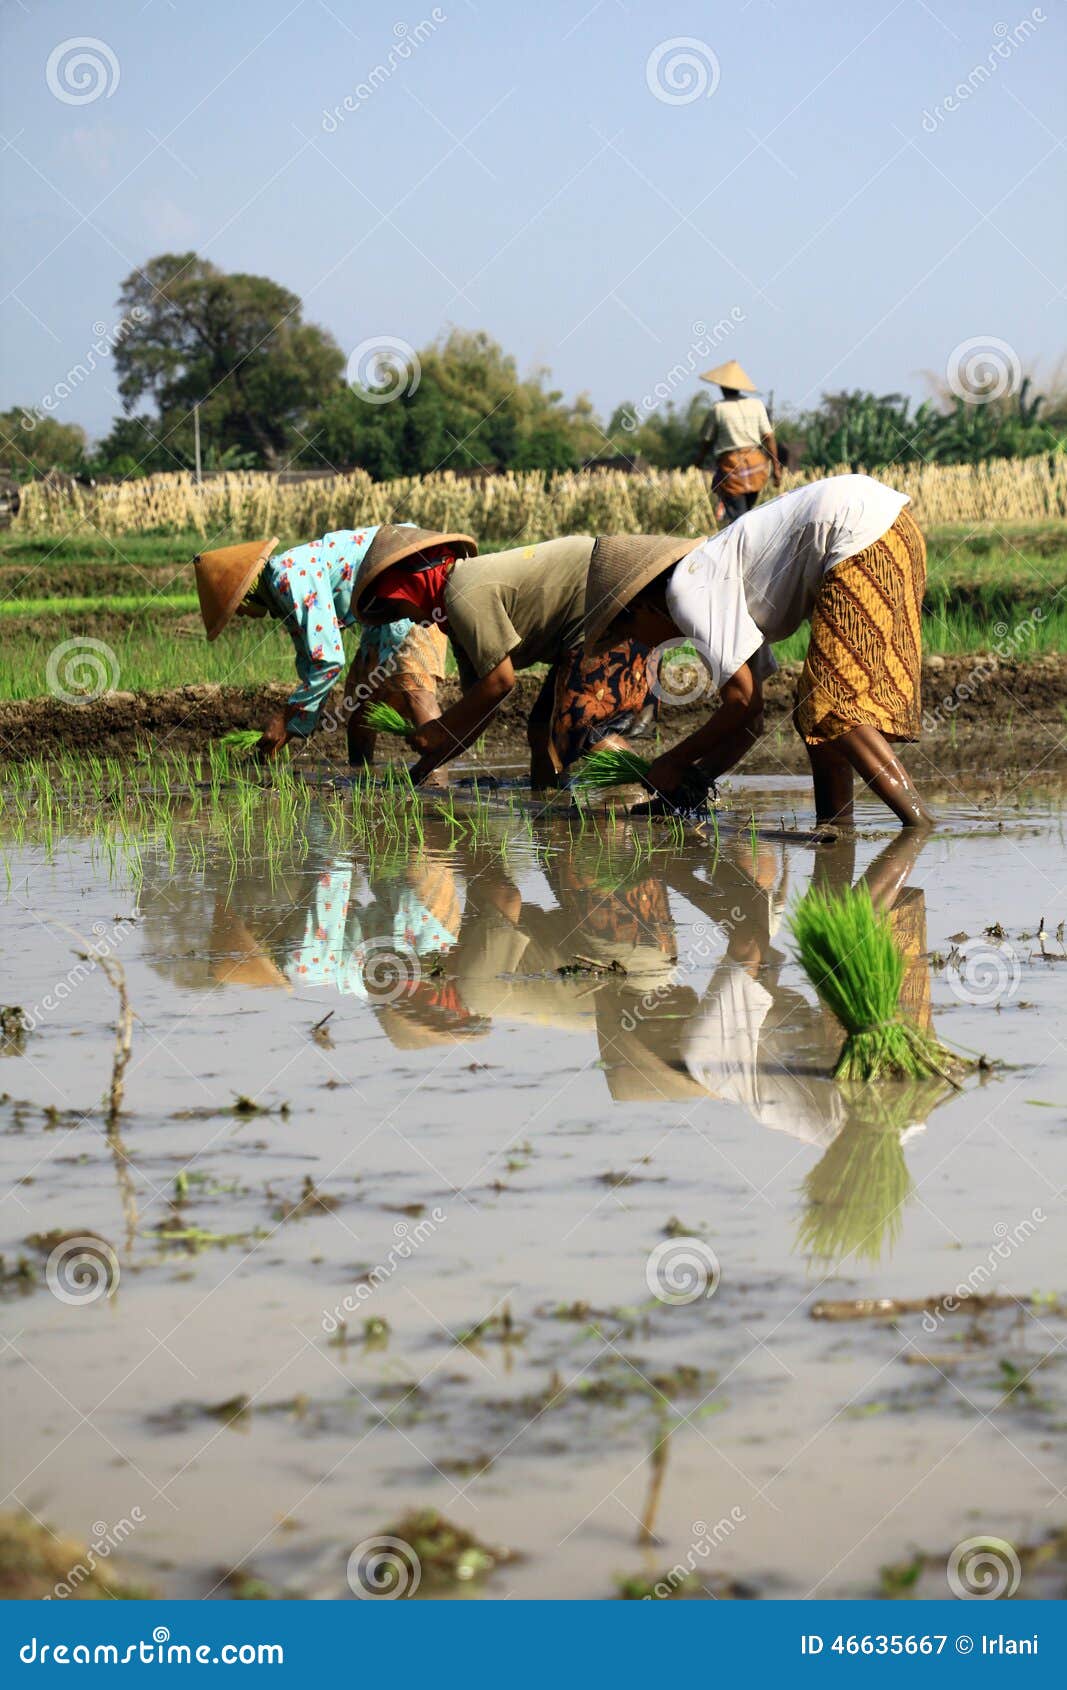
(491, 1166)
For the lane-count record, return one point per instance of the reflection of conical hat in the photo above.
(407, 1032)
(223, 577)
(397, 543)
(730, 375)
(620, 566)
(244, 962)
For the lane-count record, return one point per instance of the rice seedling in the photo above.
(383, 719)
(241, 739)
(604, 768)
(855, 1196)
(852, 959)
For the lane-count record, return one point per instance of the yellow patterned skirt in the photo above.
(864, 662)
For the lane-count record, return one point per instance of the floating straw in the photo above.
(383, 719)
(852, 959)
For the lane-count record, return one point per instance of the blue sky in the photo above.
(519, 170)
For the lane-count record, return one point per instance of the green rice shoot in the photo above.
(605, 768)
(241, 739)
(383, 719)
(849, 953)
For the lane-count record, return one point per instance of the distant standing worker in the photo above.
(739, 435)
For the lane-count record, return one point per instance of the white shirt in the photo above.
(756, 581)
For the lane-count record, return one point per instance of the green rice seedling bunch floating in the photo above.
(849, 954)
(383, 719)
(605, 768)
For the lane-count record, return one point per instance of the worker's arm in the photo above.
(449, 734)
(770, 446)
(721, 742)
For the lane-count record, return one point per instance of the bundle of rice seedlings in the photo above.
(241, 739)
(604, 768)
(851, 958)
(383, 719)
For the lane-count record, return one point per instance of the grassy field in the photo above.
(987, 587)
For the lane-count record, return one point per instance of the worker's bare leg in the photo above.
(875, 761)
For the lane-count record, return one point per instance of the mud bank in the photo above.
(979, 712)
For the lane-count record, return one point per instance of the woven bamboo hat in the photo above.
(620, 566)
(223, 578)
(392, 544)
(730, 375)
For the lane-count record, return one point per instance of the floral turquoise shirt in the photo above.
(310, 590)
(345, 944)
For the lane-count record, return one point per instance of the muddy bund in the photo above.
(451, 1197)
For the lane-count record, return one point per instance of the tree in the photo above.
(31, 444)
(460, 405)
(235, 344)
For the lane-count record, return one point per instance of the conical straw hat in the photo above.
(243, 961)
(620, 566)
(223, 578)
(730, 375)
(392, 544)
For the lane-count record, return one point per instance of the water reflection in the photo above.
(675, 963)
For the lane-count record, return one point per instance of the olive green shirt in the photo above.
(526, 604)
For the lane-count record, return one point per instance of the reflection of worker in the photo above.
(738, 434)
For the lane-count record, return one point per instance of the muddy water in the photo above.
(414, 1255)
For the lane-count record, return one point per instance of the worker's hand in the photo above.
(776, 475)
(667, 775)
(275, 738)
(431, 739)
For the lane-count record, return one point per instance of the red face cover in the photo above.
(422, 589)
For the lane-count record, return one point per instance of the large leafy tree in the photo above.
(461, 405)
(31, 444)
(235, 344)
